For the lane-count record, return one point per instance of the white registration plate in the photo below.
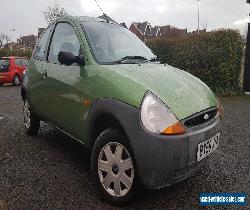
(207, 147)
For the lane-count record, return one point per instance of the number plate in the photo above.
(205, 148)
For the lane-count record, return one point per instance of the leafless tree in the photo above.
(53, 12)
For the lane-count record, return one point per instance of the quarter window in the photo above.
(40, 50)
(18, 62)
(64, 39)
(24, 62)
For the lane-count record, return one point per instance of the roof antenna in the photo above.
(102, 11)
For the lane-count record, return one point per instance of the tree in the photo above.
(4, 38)
(53, 12)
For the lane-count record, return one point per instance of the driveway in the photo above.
(51, 171)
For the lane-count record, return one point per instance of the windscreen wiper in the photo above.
(136, 57)
(126, 58)
(154, 59)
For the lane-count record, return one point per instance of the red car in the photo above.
(11, 69)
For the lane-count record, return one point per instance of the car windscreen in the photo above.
(110, 42)
(4, 65)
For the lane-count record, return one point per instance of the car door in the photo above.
(25, 63)
(37, 88)
(64, 101)
(18, 67)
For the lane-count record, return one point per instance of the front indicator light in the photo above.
(177, 128)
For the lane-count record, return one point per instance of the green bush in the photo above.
(214, 57)
(16, 52)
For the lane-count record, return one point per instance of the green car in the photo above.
(145, 122)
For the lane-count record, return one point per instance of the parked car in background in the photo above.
(144, 122)
(11, 69)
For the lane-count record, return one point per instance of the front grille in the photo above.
(201, 118)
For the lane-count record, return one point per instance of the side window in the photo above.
(4, 65)
(24, 62)
(40, 50)
(18, 62)
(64, 39)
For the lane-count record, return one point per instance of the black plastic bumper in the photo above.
(165, 160)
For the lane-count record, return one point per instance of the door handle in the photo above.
(44, 74)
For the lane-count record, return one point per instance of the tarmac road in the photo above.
(51, 171)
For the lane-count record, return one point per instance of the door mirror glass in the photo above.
(68, 58)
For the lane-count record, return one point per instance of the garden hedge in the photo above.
(15, 52)
(215, 57)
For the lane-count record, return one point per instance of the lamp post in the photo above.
(11, 30)
(198, 7)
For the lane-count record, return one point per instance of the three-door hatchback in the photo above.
(11, 69)
(144, 122)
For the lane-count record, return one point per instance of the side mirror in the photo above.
(68, 58)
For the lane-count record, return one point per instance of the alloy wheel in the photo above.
(16, 80)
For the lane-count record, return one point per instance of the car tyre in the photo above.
(31, 121)
(16, 80)
(114, 168)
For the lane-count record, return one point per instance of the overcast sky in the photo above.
(25, 16)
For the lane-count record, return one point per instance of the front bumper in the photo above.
(165, 160)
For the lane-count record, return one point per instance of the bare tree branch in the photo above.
(53, 12)
(4, 38)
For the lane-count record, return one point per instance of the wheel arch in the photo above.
(16, 74)
(24, 92)
(107, 113)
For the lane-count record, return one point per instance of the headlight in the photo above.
(157, 118)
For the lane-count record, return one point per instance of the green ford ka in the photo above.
(145, 122)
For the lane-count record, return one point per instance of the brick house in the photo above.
(172, 32)
(28, 41)
(146, 32)
(196, 32)
(142, 30)
(105, 17)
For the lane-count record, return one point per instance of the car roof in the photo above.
(77, 19)
(88, 19)
(9, 57)
(81, 19)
